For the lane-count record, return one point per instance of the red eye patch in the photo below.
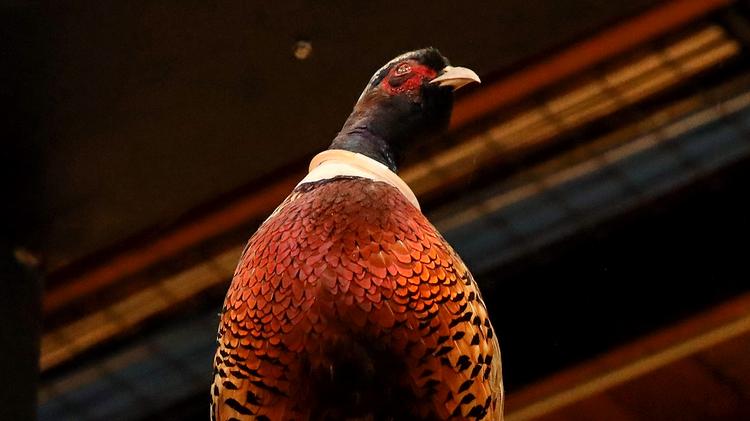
(406, 77)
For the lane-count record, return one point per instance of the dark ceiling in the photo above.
(151, 109)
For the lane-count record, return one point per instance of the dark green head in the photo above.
(408, 98)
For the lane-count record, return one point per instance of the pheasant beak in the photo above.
(456, 77)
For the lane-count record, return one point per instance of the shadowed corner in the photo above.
(24, 82)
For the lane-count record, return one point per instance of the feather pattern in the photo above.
(347, 304)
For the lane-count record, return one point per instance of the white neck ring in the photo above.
(338, 162)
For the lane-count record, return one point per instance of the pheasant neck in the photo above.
(363, 141)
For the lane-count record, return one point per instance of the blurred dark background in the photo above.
(595, 183)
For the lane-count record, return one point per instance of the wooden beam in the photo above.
(620, 38)
(181, 238)
(720, 324)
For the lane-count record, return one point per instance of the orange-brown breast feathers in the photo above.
(349, 285)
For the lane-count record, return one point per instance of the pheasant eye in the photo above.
(402, 69)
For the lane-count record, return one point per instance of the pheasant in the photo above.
(347, 304)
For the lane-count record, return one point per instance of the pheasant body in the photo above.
(348, 291)
(347, 304)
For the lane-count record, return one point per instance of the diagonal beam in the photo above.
(718, 325)
(583, 55)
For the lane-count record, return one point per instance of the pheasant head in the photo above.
(410, 97)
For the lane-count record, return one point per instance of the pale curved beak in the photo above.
(456, 77)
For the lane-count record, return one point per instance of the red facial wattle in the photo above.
(410, 82)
